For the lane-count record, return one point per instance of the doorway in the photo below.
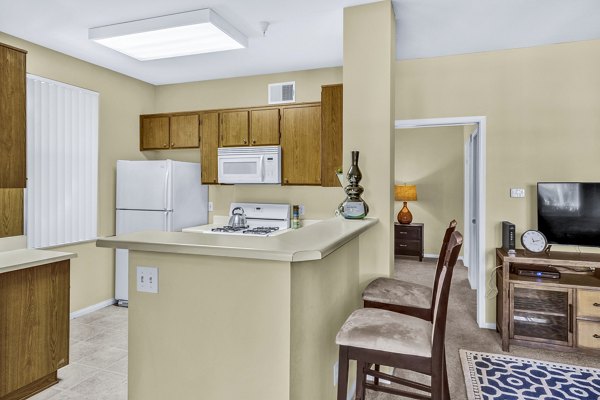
(474, 200)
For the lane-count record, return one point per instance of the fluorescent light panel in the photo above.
(183, 34)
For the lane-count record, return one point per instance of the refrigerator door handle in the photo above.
(167, 205)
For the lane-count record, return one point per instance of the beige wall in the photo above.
(542, 115)
(236, 328)
(246, 92)
(369, 49)
(432, 159)
(122, 99)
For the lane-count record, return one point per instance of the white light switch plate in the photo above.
(210, 206)
(517, 192)
(147, 279)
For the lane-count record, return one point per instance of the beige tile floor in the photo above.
(98, 359)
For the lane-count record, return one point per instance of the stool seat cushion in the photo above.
(376, 329)
(394, 291)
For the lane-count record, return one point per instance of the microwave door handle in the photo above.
(262, 168)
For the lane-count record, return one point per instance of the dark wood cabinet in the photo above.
(408, 240)
(34, 328)
(12, 117)
(560, 314)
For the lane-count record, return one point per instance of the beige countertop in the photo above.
(312, 242)
(25, 258)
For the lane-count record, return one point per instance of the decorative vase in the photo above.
(354, 207)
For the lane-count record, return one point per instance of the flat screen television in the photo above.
(569, 212)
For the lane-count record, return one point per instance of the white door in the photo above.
(473, 211)
(130, 221)
(143, 185)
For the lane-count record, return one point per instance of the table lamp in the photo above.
(405, 193)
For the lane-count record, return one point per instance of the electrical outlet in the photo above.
(301, 209)
(210, 206)
(335, 372)
(517, 192)
(147, 279)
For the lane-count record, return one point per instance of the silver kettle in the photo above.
(238, 218)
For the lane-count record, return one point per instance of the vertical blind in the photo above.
(62, 163)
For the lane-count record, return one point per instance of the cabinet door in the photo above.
(34, 316)
(541, 313)
(264, 127)
(301, 145)
(11, 212)
(331, 133)
(234, 128)
(209, 143)
(154, 133)
(184, 131)
(12, 118)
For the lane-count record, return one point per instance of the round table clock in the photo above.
(534, 241)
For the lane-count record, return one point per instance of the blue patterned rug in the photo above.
(500, 377)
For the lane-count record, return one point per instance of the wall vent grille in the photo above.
(283, 92)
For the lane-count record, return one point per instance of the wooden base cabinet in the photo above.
(559, 314)
(34, 328)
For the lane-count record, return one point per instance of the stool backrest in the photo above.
(440, 303)
(440, 263)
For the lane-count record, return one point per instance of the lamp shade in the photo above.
(405, 192)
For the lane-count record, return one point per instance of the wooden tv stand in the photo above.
(561, 314)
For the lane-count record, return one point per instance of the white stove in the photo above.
(261, 220)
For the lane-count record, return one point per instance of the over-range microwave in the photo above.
(252, 164)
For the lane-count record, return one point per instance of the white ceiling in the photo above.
(303, 34)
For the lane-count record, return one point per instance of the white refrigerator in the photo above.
(162, 195)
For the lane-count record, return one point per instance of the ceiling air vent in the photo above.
(284, 92)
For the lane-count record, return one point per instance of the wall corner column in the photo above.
(368, 77)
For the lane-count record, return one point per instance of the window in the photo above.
(62, 163)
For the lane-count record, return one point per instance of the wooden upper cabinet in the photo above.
(331, 133)
(301, 145)
(184, 131)
(264, 127)
(154, 132)
(12, 117)
(233, 128)
(209, 143)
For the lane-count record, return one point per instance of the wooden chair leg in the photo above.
(437, 385)
(446, 393)
(361, 378)
(343, 374)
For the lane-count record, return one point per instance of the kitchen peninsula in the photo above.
(241, 317)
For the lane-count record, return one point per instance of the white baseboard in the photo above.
(488, 325)
(461, 258)
(92, 308)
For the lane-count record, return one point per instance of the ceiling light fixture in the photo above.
(183, 34)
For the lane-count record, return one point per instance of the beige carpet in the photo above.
(462, 331)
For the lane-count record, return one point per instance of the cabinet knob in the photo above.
(172, 144)
(165, 145)
(254, 142)
(245, 141)
(596, 304)
(214, 180)
(596, 336)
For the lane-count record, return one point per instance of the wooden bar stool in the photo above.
(406, 297)
(375, 336)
